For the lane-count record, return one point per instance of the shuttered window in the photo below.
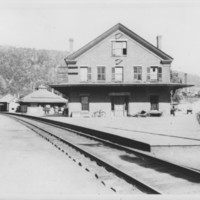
(154, 73)
(101, 73)
(137, 73)
(85, 74)
(117, 74)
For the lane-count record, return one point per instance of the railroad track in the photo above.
(146, 173)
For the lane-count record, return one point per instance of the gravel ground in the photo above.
(30, 167)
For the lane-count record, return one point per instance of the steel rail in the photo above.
(135, 182)
(99, 134)
(119, 142)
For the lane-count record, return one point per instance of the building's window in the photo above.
(137, 73)
(117, 74)
(85, 74)
(84, 103)
(101, 73)
(154, 73)
(119, 48)
(154, 101)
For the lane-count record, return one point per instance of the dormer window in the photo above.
(119, 48)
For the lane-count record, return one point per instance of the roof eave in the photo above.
(42, 101)
(166, 61)
(172, 85)
(70, 62)
(92, 43)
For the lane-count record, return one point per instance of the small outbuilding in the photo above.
(42, 102)
(8, 103)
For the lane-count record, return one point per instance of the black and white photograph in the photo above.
(99, 99)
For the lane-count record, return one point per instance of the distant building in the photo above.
(42, 102)
(119, 73)
(8, 103)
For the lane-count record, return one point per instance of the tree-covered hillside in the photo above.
(23, 69)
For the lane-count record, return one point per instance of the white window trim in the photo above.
(137, 73)
(116, 66)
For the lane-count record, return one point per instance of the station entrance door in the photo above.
(119, 105)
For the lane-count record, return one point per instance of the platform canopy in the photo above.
(171, 86)
(42, 95)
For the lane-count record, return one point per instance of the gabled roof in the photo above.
(126, 31)
(42, 95)
(7, 99)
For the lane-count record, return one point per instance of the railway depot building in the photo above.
(119, 73)
(42, 102)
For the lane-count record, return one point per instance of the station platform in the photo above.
(31, 168)
(175, 138)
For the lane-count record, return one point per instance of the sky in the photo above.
(48, 24)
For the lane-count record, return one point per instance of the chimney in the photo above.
(185, 78)
(159, 41)
(71, 41)
(185, 81)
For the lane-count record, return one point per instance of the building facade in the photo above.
(8, 103)
(119, 73)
